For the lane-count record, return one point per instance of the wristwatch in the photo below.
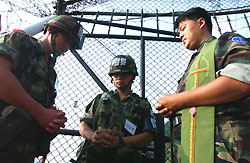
(120, 142)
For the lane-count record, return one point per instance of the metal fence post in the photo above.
(142, 73)
(159, 140)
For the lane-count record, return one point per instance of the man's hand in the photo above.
(105, 138)
(166, 105)
(219, 91)
(52, 120)
(165, 112)
(12, 92)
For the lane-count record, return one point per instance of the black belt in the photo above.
(234, 114)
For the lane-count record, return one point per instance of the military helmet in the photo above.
(69, 25)
(123, 63)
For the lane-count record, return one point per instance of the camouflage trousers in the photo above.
(98, 154)
(232, 140)
(18, 135)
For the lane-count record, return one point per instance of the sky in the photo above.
(237, 21)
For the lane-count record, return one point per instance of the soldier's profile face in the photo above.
(63, 42)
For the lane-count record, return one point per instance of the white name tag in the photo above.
(130, 127)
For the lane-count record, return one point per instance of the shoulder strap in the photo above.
(94, 104)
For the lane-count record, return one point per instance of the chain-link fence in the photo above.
(164, 65)
(165, 61)
(15, 16)
(76, 88)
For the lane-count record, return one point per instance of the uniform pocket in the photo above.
(12, 122)
(225, 141)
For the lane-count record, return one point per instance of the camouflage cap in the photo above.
(123, 63)
(66, 24)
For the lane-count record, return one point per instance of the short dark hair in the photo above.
(195, 14)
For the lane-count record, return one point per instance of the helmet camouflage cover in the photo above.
(68, 25)
(123, 63)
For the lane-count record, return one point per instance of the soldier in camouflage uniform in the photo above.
(229, 92)
(118, 124)
(27, 87)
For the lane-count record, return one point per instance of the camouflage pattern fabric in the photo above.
(123, 63)
(18, 131)
(232, 140)
(231, 52)
(124, 154)
(67, 25)
(109, 112)
(30, 66)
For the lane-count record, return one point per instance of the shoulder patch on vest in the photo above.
(238, 39)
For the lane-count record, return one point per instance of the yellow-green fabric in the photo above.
(201, 72)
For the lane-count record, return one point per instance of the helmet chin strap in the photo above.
(125, 86)
(55, 52)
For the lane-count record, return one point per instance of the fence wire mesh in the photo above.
(76, 88)
(14, 19)
(165, 61)
(164, 6)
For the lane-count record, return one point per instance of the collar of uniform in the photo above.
(205, 42)
(41, 46)
(50, 59)
(117, 97)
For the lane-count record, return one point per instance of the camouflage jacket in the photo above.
(232, 59)
(18, 131)
(34, 73)
(109, 112)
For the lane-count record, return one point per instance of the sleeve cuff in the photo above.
(237, 71)
(9, 53)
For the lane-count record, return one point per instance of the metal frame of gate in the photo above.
(160, 35)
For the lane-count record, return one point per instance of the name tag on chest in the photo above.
(130, 127)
